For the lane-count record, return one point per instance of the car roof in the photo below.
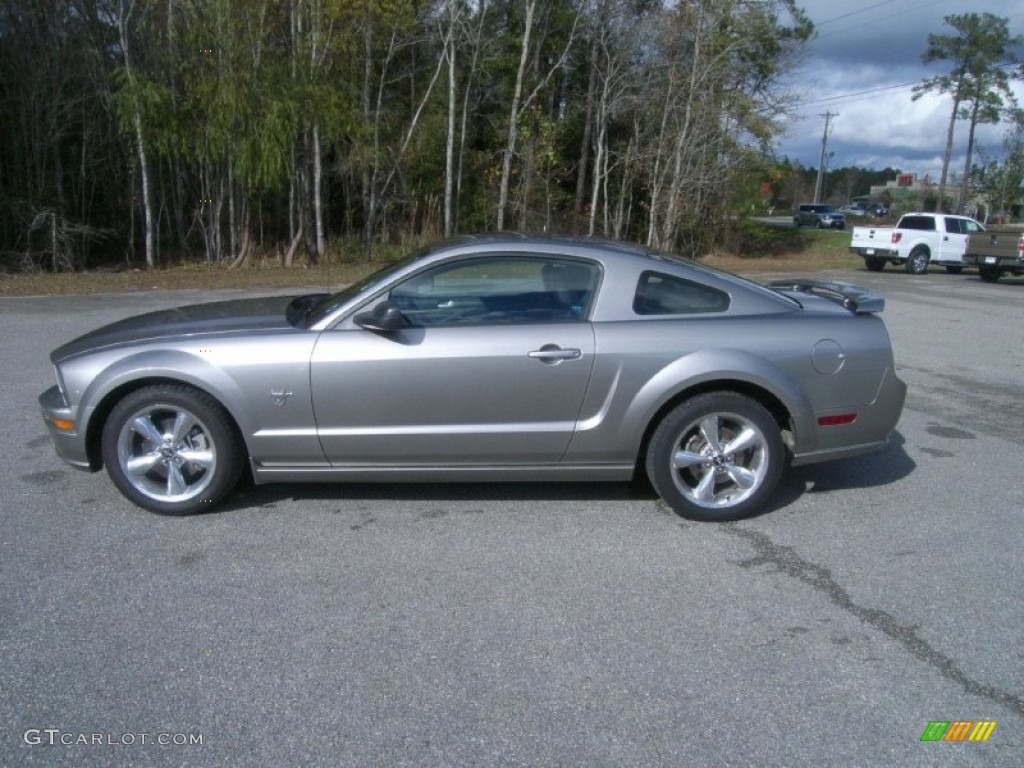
(545, 239)
(585, 247)
(934, 213)
(621, 261)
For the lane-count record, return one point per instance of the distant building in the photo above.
(909, 189)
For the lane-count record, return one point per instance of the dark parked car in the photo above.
(819, 216)
(487, 358)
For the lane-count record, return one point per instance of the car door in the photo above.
(492, 369)
(954, 241)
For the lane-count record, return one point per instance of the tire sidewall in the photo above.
(665, 437)
(917, 262)
(988, 274)
(218, 427)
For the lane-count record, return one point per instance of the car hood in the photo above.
(237, 316)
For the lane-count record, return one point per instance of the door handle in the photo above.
(552, 353)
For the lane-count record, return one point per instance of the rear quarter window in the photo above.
(658, 293)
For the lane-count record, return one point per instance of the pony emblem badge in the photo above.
(279, 397)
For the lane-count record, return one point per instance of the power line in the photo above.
(854, 13)
(858, 95)
(870, 92)
(875, 21)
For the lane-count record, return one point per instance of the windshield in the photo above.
(332, 302)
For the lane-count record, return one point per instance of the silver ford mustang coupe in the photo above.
(487, 358)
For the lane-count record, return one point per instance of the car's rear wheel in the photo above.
(988, 274)
(917, 262)
(874, 264)
(716, 457)
(171, 449)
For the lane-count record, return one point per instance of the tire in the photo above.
(171, 449)
(917, 262)
(696, 468)
(796, 222)
(954, 270)
(989, 274)
(874, 264)
(818, 224)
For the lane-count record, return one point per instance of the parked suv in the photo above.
(819, 216)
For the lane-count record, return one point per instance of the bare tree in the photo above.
(519, 104)
(513, 114)
(124, 14)
(453, 17)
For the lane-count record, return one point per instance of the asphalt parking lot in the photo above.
(548, 625)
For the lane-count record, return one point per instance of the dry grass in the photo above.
(813, 261)
(268, 278)
(811, 252)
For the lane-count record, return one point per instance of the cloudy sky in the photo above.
(862, 65)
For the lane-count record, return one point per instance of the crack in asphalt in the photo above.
(787, 561)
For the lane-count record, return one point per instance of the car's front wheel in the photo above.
(171, 449)
(716, 457)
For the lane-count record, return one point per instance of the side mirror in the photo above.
(383, 317)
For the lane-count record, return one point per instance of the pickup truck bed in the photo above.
(996, 253)
(874, 244)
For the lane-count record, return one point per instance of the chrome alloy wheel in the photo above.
(719, 460)
(166, 453)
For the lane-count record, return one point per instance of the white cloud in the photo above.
(863, 67)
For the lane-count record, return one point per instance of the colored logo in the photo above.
(958, 730)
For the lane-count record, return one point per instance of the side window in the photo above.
(953, 226)
(970, 226)
(661, 294)
(499, 290)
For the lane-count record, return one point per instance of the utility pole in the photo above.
(821, 162)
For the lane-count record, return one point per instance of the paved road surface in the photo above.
(494, 625)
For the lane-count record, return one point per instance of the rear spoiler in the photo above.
(860, 301)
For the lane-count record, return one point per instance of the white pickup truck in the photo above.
(917, 240)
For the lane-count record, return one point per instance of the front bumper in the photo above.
(69, 443)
